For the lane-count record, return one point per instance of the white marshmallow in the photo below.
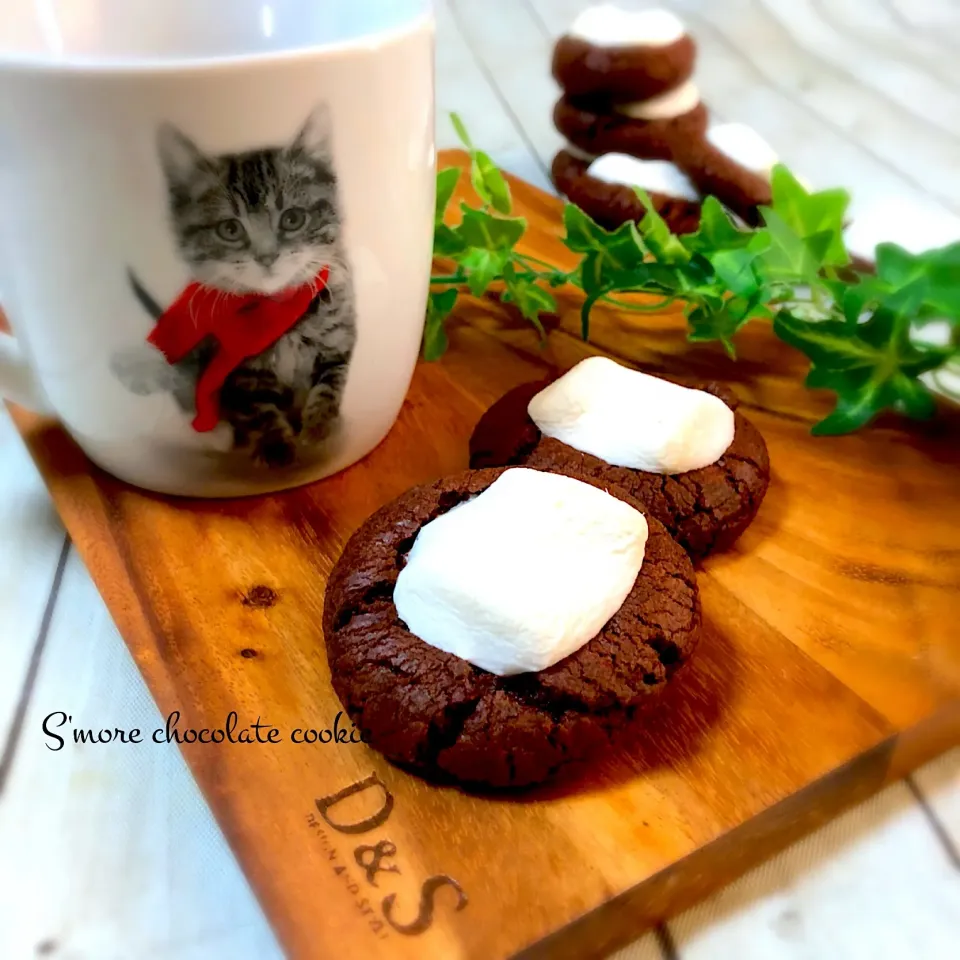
(524, 574)
(633, 420)
(656, 176)
(744, 145)
(666, 106)
(609, 26)
(575, 151)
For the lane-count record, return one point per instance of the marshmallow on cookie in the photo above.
(630, 419)
(742, 144)
(524, 574)
(649, 33)
(606, 25)
(666, 106)
(655, 176)
(623, 54)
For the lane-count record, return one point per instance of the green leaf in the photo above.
(484, 267)
(447, 242)
(446, 184)
(657, 237)
(735, 269)
(530, 298)
(914, 398)
(826, 342)
(611, 257)
(854, 299)
(489, 183)
(938, 269)
(439, 305)
(482, 229)
(583, 233)
(860, 397)
(719, 318)
(788, 257)
(808, 214)
(897, 266)
(717, 231)
(461, 130)
(870, 365)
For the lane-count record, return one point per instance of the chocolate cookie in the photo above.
(442, 716)
(713, 172)
(627, 73)
(612, 204)
(704, 510)
(596, 128)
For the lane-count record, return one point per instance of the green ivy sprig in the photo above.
(863, 332)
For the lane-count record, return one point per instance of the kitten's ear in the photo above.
(314, 136)
(179, 155)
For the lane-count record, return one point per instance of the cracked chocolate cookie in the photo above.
(447, 719)
(704, 510)
(595, 128)
(715, 174)
(635, 72)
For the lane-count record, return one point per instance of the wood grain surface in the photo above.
(830, 661)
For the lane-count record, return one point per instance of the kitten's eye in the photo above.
(230, 230)
(292, 219)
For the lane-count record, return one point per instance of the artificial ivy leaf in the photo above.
(818, 245)
(446, 183)
(482, 229)
(897, 266)
(719, 318)
(938, 269)
(854, 299)
(484, 266)
(461, 130)
(530, 298)
(788, 256)
(584, 234)
(447, 242)
(488, 182)
(717, 231)
(862, 394)
(808, 214)
(439, 305)
(657, 237)
(827, 343)
(707, 325)
(611, 257)
(914, 398)
(860, 397)
(734, 268)
(871, 365)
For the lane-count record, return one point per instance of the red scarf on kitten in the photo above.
(243, 324)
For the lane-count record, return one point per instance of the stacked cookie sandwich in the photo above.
(632, 117)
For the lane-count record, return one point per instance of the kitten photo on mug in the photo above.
(261, 336)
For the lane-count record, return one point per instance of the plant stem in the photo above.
(455, 278)
(527, 259)
(639, 307)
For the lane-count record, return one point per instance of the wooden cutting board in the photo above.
(830, 662)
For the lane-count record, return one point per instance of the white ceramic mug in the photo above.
(216, 224)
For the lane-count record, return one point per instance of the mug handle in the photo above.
(18, 382)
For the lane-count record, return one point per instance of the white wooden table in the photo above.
(109, 853)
